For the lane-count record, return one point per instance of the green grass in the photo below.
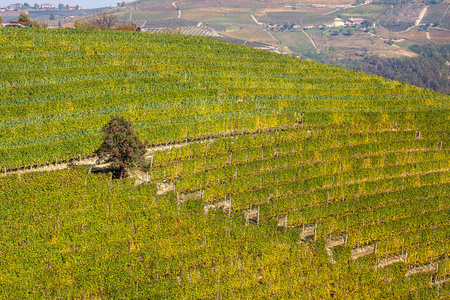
(150, 15)
(370, 12)
(300, 18)
(223, 17)
(296, 41)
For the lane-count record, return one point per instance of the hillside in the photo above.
(321, 30)
(274, 177)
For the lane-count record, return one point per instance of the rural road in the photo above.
(312, 41)
(418, 20)
(179, 10)
(422, 14)
(256, 21)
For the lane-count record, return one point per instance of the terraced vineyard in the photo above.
(291, 179)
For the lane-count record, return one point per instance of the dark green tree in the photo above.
(52, 17)
(366, 24)
(121, 146)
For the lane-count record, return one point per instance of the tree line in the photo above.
(428, 70)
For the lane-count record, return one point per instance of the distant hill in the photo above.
(306, 29)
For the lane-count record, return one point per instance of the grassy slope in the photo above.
(354, 154)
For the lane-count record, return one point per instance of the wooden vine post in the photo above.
(257, 221)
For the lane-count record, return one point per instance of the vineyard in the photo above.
(289, 179)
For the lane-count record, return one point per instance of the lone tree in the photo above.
(121, 146)
(366, 24)
(104, 20)
(24, 18)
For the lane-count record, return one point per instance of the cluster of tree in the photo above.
(37, 6)
(366, 26)
(428, 70)
(104, 20)
(24, 18)
(62, 6)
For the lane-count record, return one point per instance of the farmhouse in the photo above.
(14, 6)
(337, 23)
(353, 21)
(16, 24)
(47, 6)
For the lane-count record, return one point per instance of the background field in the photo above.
(369, 12)
(297, 42)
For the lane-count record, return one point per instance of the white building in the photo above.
(47, 6)
(338, 23)
(14, 6)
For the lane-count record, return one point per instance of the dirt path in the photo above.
(149, 152)
(443, 16)
(333, 11)
(54, 167)
(256, 21)
(179, 10)
(261, 24)
(418, 20)
(312, 41)
(92, 161)
(277, 41)
(422, 14)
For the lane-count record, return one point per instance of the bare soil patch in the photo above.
(390, 259)
(184, 197)
(164, 188)
(432, 267)
(362, 251)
